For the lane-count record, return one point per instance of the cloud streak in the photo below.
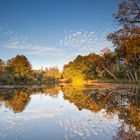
(22, 43)
(64, 49)
(83, 42)
(84, 39)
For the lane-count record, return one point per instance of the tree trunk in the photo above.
(111, 74)
(136, 76)
(131, 75)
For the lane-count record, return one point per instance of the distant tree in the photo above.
(20, 67)
(2, 66)
(53, 72)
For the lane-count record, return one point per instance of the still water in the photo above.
(70, 113)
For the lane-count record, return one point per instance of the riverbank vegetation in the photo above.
(18, 70)
(119, 65)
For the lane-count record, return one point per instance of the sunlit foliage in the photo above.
(20, 67)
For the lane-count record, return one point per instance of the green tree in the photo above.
(74, 71)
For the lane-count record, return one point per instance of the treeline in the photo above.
(123, 64)
(93, 67)
(18, 70)
(105, 67)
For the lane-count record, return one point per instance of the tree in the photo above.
(109, 64)
(2, 66)
(90, 67)
(127, 40)
(128, 13)
(20, 67)
(53, 72)
(74, 70)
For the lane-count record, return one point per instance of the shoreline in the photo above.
(96, 84)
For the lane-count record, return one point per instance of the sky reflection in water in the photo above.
(69, 113)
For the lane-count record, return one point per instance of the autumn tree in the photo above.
(20, 67)
(127, 40)
(53, 72)
(2, 66)
(74, 70)
(128, 13)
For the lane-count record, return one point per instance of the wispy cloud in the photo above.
(75, 42)
(83, 42)
(65, 49)
(21, 42)
(84, 39)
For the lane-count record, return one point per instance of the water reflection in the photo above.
(122, 102)
(15, 99)
(72, 113)
(18, 99)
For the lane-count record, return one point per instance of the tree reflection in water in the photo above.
(125, 103)
(17, 99)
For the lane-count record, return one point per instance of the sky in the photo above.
(53, 32)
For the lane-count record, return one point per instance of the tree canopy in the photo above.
(20, 67)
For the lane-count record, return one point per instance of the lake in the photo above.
(70, 113)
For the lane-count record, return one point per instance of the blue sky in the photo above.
(53, 32)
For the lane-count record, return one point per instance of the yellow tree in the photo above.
(20, 67)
